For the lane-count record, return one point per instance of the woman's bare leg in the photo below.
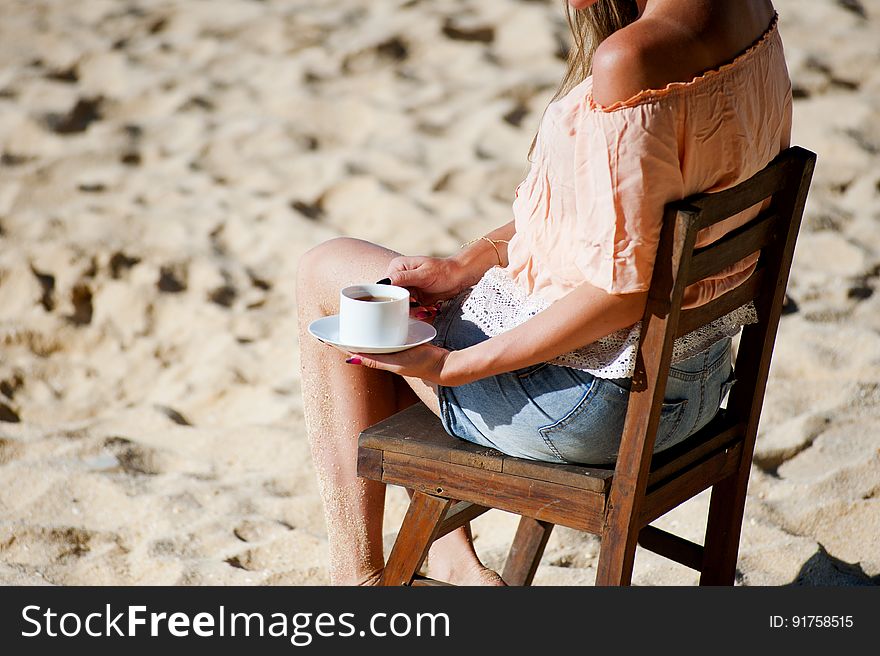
(339, 401)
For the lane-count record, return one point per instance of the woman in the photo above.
(538, 320)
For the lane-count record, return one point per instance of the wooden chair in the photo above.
(455, 481)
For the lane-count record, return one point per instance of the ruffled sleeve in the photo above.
(626, 169)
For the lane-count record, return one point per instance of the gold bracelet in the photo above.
(491, 241)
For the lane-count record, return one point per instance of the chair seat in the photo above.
(416, 431)
(411, 448)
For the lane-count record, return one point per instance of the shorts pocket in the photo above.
(672, 428)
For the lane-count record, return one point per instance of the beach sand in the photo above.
(164, 165)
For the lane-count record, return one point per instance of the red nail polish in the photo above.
(353, 360)
(421, 314)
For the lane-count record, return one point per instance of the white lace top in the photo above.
(496, 304)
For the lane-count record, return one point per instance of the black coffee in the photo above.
(370, 298)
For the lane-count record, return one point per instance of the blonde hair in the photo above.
(590, 27)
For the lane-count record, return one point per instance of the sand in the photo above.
(164, 165)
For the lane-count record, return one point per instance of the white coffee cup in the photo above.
(364, 322)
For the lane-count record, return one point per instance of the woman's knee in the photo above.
(314, 260)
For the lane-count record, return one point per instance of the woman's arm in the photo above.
(582, 316)
(579, 318)
(479, 257)
(430, 279)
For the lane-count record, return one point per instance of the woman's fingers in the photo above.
(410, 278)
(422, 312)
(423, 276)
(424, 361)
(418, 310)
(425, 313)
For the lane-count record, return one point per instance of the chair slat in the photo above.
(550, 502)
(690, 320)
(667, 495)
(458, 515)
(595, 479)
(717, 206)
(671, 546)
(720, 433)
(734, 246)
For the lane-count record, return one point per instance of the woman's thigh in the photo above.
(336, 263)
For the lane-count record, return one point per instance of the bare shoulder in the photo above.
(648, 54)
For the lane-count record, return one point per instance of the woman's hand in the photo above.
(426, 361)
(429, 279)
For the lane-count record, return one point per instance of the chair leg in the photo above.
(617, 554)
(723, 530)
(416, 534)
(526, 550)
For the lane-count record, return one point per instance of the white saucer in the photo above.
(326, 329)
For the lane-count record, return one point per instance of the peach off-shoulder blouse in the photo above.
(591, 206)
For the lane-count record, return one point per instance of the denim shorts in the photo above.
(560, 414)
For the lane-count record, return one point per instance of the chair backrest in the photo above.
(773, 232)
